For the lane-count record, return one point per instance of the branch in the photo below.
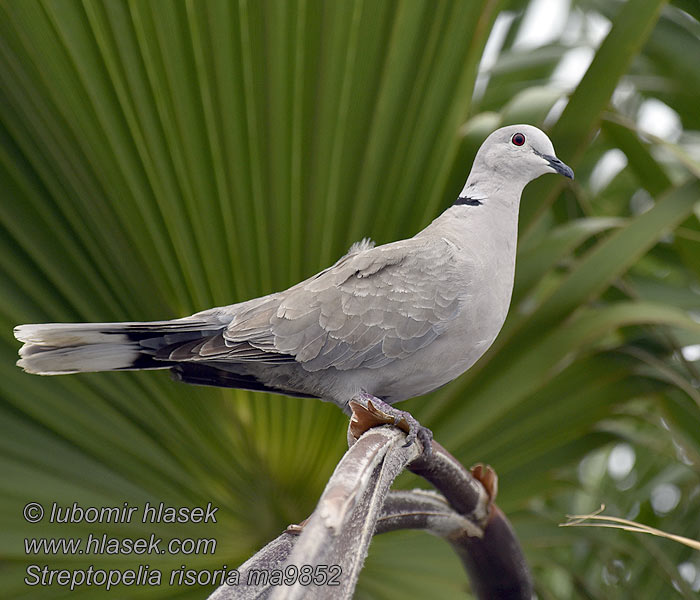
(357, 503)
(338, 532)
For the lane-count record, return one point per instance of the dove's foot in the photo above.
(403, 420)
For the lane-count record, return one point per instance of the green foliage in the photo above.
(158, 158)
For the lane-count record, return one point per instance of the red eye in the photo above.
(518, 139)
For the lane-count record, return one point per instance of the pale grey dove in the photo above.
(384, 323)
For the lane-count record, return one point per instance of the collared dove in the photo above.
(384, 323)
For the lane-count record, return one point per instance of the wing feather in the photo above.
(374, 306)
(370, 309)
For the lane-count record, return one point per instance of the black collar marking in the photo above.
(468, 201)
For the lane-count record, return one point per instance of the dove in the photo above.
(383, 324)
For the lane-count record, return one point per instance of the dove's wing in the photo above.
(372, 307)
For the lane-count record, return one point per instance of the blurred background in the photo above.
(159, 158)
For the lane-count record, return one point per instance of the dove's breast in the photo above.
(484, 274)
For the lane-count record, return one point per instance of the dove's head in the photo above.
(519, 153)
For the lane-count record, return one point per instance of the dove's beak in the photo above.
(558, 166)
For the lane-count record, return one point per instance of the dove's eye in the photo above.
(518, 139)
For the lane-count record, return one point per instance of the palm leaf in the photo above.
(161, 158)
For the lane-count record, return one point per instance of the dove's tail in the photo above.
(61, 348)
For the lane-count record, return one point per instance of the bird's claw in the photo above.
(403, 420)
(416, 431)
(425, 437)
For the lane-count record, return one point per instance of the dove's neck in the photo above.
(485, 185)
(483, 230)
(484, 218)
